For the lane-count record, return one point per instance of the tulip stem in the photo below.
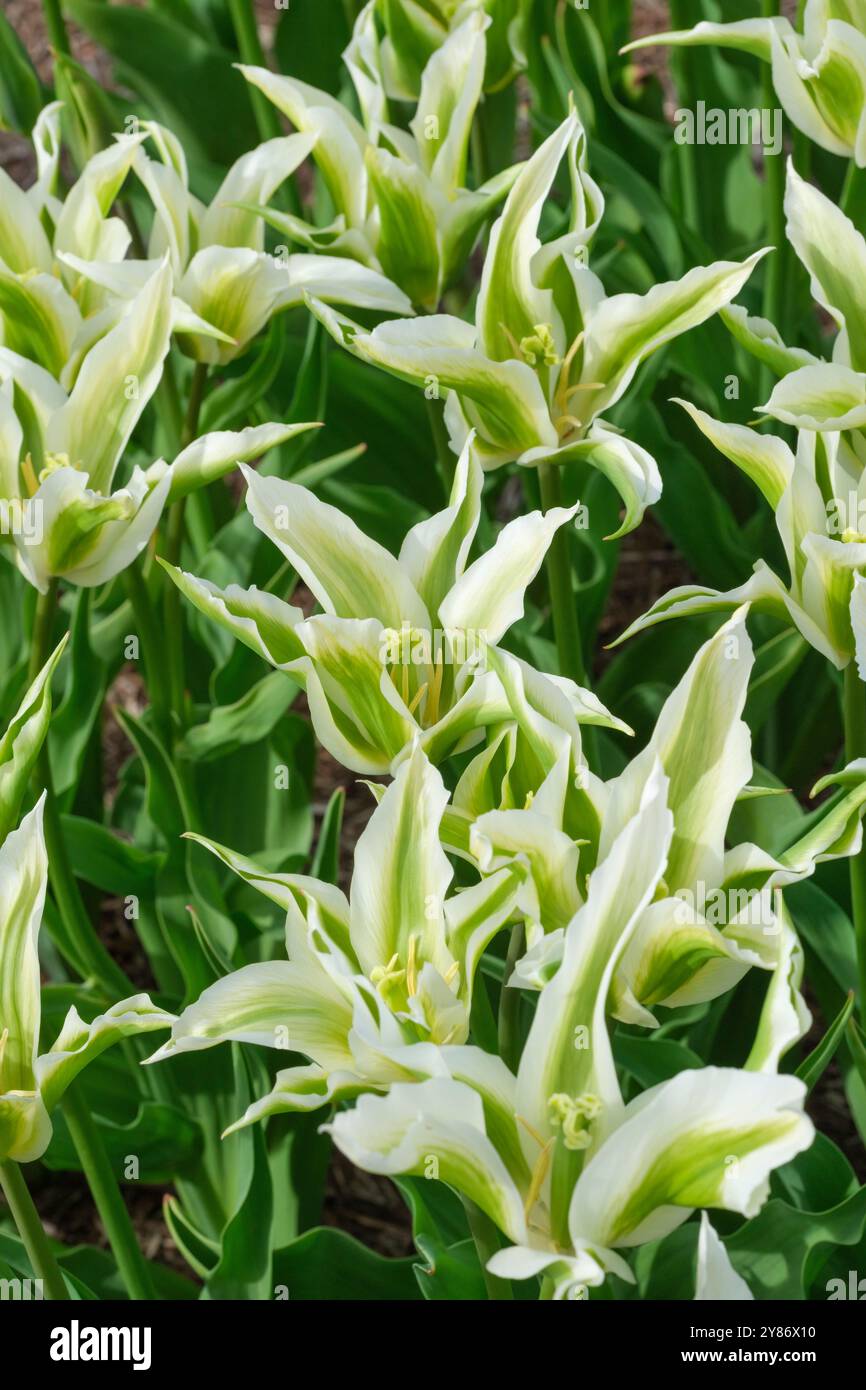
(174, 540)
(486, 1238)
(854, 711)
(31, 1231)
(251, 52)
(445, 460)
(151, 643)
(81, 942)
(509, 1001)
(56, 26)
(562, 596)
(681, 18)
(774, 196)
(107, 1196)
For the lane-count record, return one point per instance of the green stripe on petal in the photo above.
(708, 1138)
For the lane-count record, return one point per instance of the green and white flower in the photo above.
(31, 1084)
(227, 286)
(716, 911)
(569, 1172)
(549, 351)
(49, 312)
(819, 74)
(374, 985)
(60, 453)
(399, 196)
(405, 35)
(403, 644)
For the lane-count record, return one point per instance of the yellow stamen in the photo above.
(512, 340)
(539, 1173)
(432, 713)
(418, 697)
(571, 420)
(531, 1130)
(411, 967)
(28, 473)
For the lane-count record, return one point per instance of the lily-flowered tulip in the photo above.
(816, 497)
(715, 912)
(549, 352)
(227, 287)
(571, 1174)
(31, 1084)
(406, 36)
(48, 311)
(819, 74)
(400, 196)
(403, 644)
(20, 744)
(374, 986)
(60, 455)
(818, 493)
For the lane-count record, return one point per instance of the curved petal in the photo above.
(708, 1138)
(435, 1128)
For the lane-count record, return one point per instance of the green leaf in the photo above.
(326, 861)
(778, 1249)
(651, 1061)
(311, 50)
(21, 96)
(325, 1263)
(812, 1068)
(188, 82)
(249, 720)
(228, 406)
(162, 1138)
(107, 862)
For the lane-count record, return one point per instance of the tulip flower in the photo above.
(32, 1083)
(400, 197)
(549, 352)
(715, 913)
(405, 36)
(569, 1173)
(819, 74)
(60, 455)
(48, 313)
(402, 645)
(374, 985)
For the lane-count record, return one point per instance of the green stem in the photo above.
(562, 596)
(445, 459)
(486, 1238)
(107, 1196)
(681, 18)
(250, 48)
(774, 194)
(152, 649)
(172, 617)
(56, 26)
(509, 1001)
(853, 199)
(89, 955)
(31, 1231)
(854, 713)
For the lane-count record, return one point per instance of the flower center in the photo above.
(538, 348)
(574, 1115)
